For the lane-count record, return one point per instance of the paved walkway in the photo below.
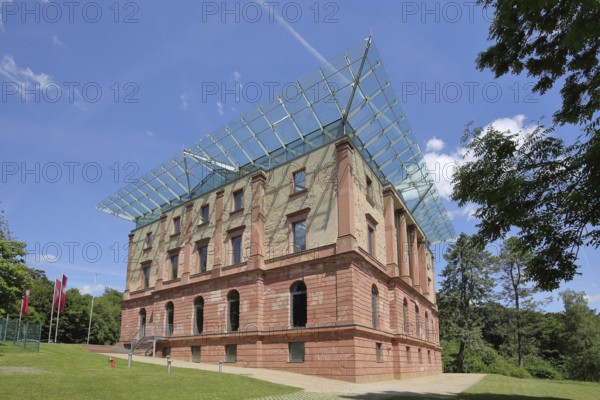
(316, 388)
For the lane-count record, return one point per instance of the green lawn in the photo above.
(68, 372)
(497, 387)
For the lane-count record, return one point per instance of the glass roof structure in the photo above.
(349, 96)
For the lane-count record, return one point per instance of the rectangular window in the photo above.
(238, 200)
(174, 265)
(369, 188)
(299, 181)
(420, 356)
(149, 239)
(296, 352)
(236, 249)
(378, 353)
(231, 353)
(176, 225)
(371, 241)
(196, 351)
(408, 358)
(204, 214)
(299, 235)
(202, 258)
(146, 272)
(166, 351)
(429, 357)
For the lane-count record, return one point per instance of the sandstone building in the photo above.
(295, 237)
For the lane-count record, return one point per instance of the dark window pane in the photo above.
(299, 305)
(203, 258)
(176, 225)
(236, 246)
(238, 200)
(146, 277)
(174, 265)
(198, 315)
(299, 232)
(378, 353)
(196, 354)
(299, 181)
(296, 351)
(204, 214)
(233, 320)
(230, 352)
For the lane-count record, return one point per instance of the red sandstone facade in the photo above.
(214, 279)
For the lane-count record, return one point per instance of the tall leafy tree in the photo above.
(550, 40)
(15, 277)
(515, 289)
(581, 338)
(533, 183)
(467, 283)
(547, 189)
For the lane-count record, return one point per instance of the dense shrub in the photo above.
(541, 369)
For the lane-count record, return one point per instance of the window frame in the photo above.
(234, 201)
(174, 267)
(204, 219)
(378, 352)
(198, 305)
(231, 356)
(374, 307)
(169, 318)
(299, 189)
(294, 299)
(230, 310)
(146, 273)
(369, 188)
(148, 240)
(176, 225)
(199, 247)
(296, 247)
(291, 352)
(295, 217)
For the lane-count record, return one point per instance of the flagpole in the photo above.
(58, 312)
(52, 314)
(91, 309)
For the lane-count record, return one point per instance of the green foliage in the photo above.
(540, 369)
(466, 285)
(15, 277)
(580, 338)
(537, 185)
(550, 40)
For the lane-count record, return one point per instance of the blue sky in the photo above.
(94, 94)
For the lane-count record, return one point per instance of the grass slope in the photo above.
(498, 387)
(60, 372)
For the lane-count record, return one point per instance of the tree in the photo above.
(15, 277)
(581, 338)
(536, 184)
(545, 188)
(549, 39)
(514, 289)
(466, 284)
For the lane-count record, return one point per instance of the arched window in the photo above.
(426, 326)
(298, 309)
(198, 315)
(405, 316)
(169, 318)
(142, 331)
(417, 322)
(374, 305)
(233, 314)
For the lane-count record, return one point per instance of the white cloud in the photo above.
(220, 108)
(434, 144)
(441, 165)
(593, 298)
(150, 133)
(25, 76)
(237, 76)
(87, 289)
(466, 211)
(57, 41)
(184, 98)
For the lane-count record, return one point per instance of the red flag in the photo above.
(63, 293)
(56, 294)
(25, 304)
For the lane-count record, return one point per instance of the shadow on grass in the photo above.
(404, 395)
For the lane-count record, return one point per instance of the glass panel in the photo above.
(231, 353)
(299, 181)
(299, 231)
(296, 351)
(203, 258)
(236, 247)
